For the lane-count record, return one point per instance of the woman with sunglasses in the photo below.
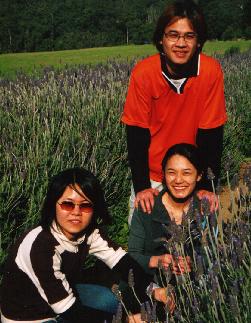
(44, 270)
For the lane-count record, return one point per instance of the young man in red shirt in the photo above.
(174, 96)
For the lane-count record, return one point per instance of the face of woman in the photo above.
(181, 176)
(74, 212)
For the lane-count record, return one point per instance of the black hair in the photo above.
(191, 152)
(178, 10)
(88, 184)
(188, 151)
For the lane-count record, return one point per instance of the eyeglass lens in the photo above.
(70, 206)
(175, 36)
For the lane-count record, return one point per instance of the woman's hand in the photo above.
(181, 265)
(162, 295)
(211, 197)
(178, 265)
(134, 318)
(163, 260)
(145, 199)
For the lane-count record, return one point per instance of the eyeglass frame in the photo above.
(178, 36)
(75, 204)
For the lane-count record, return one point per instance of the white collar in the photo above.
(67, 244)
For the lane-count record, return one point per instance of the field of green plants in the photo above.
(71, 118)
(33, 62)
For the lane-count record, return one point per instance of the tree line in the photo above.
(31, 25)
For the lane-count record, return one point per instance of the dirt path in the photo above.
(227, 194)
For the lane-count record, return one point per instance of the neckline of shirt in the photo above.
(178, 85)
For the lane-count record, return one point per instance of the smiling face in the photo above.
(181, 176)
(73, 219)
(181, 51)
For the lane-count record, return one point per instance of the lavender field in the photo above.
(71, 118)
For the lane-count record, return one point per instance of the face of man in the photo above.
(179, 43)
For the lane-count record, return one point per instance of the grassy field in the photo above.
(71, 118)
(34, 62)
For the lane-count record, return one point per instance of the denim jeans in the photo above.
(94, 296)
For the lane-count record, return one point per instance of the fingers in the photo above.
(166, 260)
(171, 303)
(214, 205)
(181, 265)
(135, 318)
(145, 199)
(162, 295)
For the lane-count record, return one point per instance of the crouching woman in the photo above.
(44, 269)
(153, 237)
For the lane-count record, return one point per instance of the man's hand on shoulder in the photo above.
(145, 199)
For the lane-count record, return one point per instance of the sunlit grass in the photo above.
(34, 62)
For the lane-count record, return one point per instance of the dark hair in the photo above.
(188, 151)
(89, 185)
(178, 10)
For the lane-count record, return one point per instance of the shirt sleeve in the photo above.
(137, 108)
(210, 144)
(136, 241)
(138, 141)
(214, 114)
(42, 264)
(104, 249)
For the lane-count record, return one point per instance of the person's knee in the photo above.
(97, 297)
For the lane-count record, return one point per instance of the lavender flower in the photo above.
(234, 182)
(150, 290)
(213, 221)
(117, 292)
(177, 315)
(205, 206)
(214, 293)
(238, 248)
(117, 318)
(143, 312)
(169, 290)
(200, 266)
(210, 174)
(131, 279)
(234, 260)
(148, 311)
(234, 308)
(235, 288)
(168, 274)
(198, 219)
(219, 188)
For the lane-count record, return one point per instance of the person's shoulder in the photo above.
(45, 236)
(148, 65)
(30, 243)
(29, 236)
(142, 216)
(209, 64)
(39, 239)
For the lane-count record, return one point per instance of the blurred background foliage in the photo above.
(46, 25)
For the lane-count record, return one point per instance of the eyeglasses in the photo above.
(70, 206)
(174, 36)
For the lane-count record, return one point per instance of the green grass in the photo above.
(33, 62)
(220, 47)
